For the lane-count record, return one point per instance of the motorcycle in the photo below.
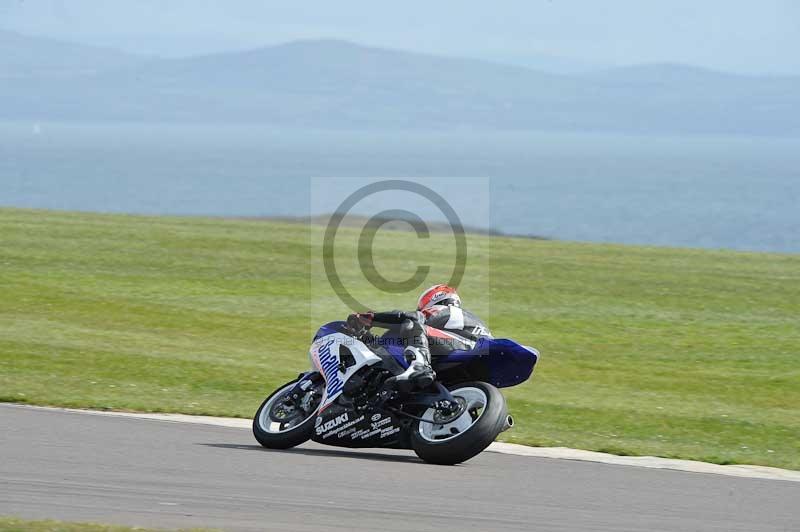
(350, 398)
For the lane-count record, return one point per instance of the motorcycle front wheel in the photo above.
(282, 422)
(452, 441)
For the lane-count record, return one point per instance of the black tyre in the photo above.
(295, 428)
(455, 441)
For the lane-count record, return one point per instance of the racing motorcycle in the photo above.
(350, 398)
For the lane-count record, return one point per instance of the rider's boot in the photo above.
(419, 374)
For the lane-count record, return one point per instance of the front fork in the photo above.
(305, 381)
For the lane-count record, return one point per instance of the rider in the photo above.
(438, 327)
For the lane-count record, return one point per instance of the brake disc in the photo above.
(282, 411)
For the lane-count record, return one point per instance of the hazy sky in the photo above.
(738, 35)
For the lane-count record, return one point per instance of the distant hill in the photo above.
(22, 56)
(337, 84)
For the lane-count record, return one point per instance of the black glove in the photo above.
(360, 323)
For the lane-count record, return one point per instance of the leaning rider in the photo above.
(438, 327)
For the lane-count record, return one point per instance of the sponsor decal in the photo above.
(332, 424)
(370, 434)
(388, 431)
(381, 423)
(347, 432)
(379, 426)
(384, 432)
(337, 425)
(329, 367)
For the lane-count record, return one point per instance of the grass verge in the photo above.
(11, 524)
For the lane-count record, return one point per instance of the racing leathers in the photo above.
(436, 330)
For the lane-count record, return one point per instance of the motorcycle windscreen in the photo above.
(502, 362)
(331, 328)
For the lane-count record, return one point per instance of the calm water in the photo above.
(736, 193)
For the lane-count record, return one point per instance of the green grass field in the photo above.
(668, 352)
(11, 524)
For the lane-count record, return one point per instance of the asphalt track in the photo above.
(80, 467)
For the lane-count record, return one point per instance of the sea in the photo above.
(737, 193)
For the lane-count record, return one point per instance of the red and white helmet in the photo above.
(439, 294)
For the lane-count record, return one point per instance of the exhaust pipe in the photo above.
(508, 423)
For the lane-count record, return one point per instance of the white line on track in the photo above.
(561, 453)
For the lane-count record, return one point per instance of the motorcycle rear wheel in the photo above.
(470, 433)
